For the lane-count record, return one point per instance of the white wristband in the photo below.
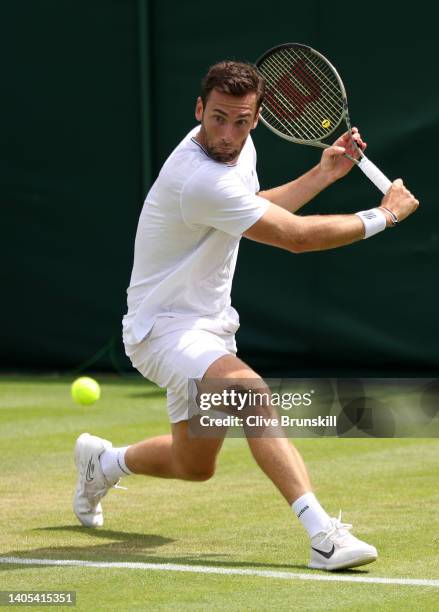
(374, 221)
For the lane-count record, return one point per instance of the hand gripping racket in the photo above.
(305, 101)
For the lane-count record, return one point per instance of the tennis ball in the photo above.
(326, 123)
(85, 391)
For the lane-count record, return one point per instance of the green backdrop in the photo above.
(95, 96)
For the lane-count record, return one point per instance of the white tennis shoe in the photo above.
(336, 548)
(92, 485)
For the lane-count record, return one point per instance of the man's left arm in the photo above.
(333, 166)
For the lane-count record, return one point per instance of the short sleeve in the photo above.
(216, 197)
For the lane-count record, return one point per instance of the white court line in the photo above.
(202, 569)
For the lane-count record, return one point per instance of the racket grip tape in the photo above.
(375, 175)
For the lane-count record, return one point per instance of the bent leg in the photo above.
(283, 464)
(277, 457)
(175, 455)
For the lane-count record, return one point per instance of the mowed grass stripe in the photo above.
(201, 569)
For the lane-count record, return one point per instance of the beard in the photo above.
(222, 154)
(217, 151)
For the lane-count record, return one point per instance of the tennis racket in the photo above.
(306, 103)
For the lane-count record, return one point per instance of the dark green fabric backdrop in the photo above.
(94, 97)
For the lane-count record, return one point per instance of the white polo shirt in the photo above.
(188, 237)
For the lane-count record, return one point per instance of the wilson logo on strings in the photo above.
(286, 99)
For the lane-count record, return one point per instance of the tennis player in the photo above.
(180, 324)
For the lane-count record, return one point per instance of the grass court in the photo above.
(235, 522)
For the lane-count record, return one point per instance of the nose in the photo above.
(227, 134)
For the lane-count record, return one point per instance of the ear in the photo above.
(256, 119)
(199, 109)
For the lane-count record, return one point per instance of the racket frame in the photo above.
(372, 172)
(344, 115)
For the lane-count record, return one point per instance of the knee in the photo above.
(258, 401)
(197, 473)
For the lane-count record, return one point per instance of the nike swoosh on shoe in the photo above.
(328, 554)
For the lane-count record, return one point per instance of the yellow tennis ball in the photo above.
(326, 123)
(85, 391)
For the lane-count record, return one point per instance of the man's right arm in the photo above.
(296, 234)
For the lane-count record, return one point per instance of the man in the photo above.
(180, 325)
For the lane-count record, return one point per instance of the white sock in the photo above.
(113, 463)
(311, 514)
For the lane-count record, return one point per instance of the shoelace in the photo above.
(116, 485)
(337, 529)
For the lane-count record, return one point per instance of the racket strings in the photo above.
(287, 115)
(279, 106)
(305, 89)
(290, 113)
(327, 85)
(322, 70)
(288, 109)
(272, 79)
(283, 68)
(304, 97)
(315, 107)
(294, 90)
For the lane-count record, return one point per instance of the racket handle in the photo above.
(375, 175)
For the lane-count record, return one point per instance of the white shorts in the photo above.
(177, 350)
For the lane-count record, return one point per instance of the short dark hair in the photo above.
(234, 78)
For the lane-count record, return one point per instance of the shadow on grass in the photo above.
(125, 538)
(137, 548)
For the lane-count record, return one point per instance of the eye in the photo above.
(219, 119)
(242, 122)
